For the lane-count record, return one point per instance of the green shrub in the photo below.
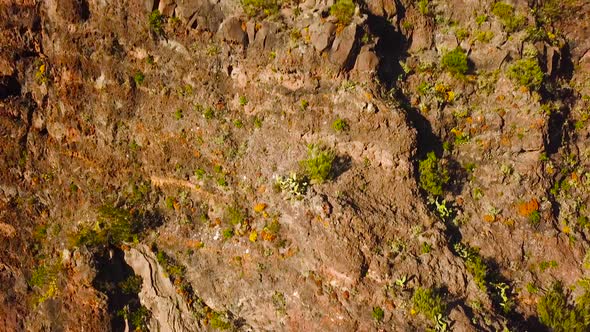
(138, 78)
(139, 318)
(318, 165)
(378, 314)
(433, 175)
(114, 225)
(527, 72)
(474, 263)
(455, 62)
(556, 313)
(428, 302)
(228, 233)
(235, 215)
(343, 10)
(131, 285)
(260, 7)
(220, 322)
(156, 19)
(340, 125)
(511, 21)
(424, 7)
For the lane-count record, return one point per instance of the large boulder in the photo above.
(322, 35)
(231, 31)
(343, 49)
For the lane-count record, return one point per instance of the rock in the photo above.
(342, 52)
(322, 35)
(149, 5)
(387, 8)
(231, 31)
(553, 59)
(73, 11)
(266, 36)
(367, 61)
(6, 67)
(251, 31)
(487, 57)
(166, 7)
(186, 9)
(421, 38)
(169, 310)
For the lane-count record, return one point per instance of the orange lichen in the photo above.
(525, 209)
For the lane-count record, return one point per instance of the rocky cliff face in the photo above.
(187, 165)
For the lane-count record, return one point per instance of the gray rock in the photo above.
(342, 50)
(322, 35)
(231, 31)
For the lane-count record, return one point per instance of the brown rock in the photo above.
(73, 11)
(322, 35)
(166, 7)
(386, 8)
(231, 31)
(342, 52)
(367, 60)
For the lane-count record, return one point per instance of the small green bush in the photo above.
(260, 7)
(343, 10)
(428, 302)
(114, 226)
(556, 313)
(455, 62)
(319, 162)
(131, 285)
(433, 175)
(340, 125)
(220, 322)
(424, 7)
(378, 314)
(138, 78)
(527, 72)
(156, 19)
(511, 21)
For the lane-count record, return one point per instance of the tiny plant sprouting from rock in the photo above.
(378, 314)
(138, 78)
(243, 100)
(401, 282)
(294, 184)
(340, 125)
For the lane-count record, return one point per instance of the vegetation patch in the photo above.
(506, 13)
(434, 176)
(343, 10)
(455, 61)
(527, 72)
(260, 7)
(557, 313)
(319, 162)
(428, 302)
